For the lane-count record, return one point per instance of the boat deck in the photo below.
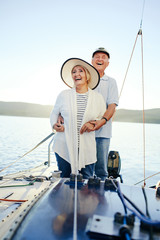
(19, 192)
(48, 209)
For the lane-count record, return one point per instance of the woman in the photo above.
(78, 105)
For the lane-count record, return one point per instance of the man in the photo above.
(108, 88)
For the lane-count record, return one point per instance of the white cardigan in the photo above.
(66, 143)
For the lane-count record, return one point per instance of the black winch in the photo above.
(114, 164)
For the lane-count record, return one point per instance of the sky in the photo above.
(37, 36)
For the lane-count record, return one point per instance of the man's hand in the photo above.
(97, 124)
(58, 127)
(87, 127)
(60, 119)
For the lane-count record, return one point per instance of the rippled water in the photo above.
(18, 135)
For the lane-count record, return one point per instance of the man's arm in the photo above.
(107, 115)
(97, 124)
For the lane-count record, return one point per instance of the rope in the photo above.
(143, 108)
(142, 216)
(12, 200)
(28, 151)
(18, 185)
(75, 200)
(25, 185)
(75, 193)
(75, 211)
(146, 202)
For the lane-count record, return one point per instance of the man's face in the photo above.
(100, 61)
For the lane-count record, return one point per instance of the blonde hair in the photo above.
(88, 75)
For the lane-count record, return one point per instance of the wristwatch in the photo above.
(105, 119)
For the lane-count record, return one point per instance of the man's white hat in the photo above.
(101, 49)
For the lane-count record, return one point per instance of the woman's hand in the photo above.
(60, 119)
(87, 127)
(58, 127)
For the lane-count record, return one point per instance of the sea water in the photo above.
(138, 147)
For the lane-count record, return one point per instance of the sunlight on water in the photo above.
(18, 136)
(128, 141)
(21, 134)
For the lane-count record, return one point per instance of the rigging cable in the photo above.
(128, 67)
(139, 33)
(142, 14)
(143, 106)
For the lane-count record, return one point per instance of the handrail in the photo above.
(49, 152)
(1, 170)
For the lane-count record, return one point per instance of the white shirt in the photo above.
(66, 143)
(108, 88)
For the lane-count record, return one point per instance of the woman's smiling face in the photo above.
(79, 76)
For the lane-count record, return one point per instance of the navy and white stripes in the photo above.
(81, 107)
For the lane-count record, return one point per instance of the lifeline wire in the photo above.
(29, 151)
(147, 178)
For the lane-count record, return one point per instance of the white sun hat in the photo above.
(68, 66)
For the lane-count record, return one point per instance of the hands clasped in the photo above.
(87, 127)
(92, 126)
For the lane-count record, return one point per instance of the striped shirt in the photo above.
(81, 107)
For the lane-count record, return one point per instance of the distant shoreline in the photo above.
(43, 111)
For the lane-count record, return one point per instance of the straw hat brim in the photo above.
(68, 66)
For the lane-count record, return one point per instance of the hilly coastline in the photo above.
(43, 111)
